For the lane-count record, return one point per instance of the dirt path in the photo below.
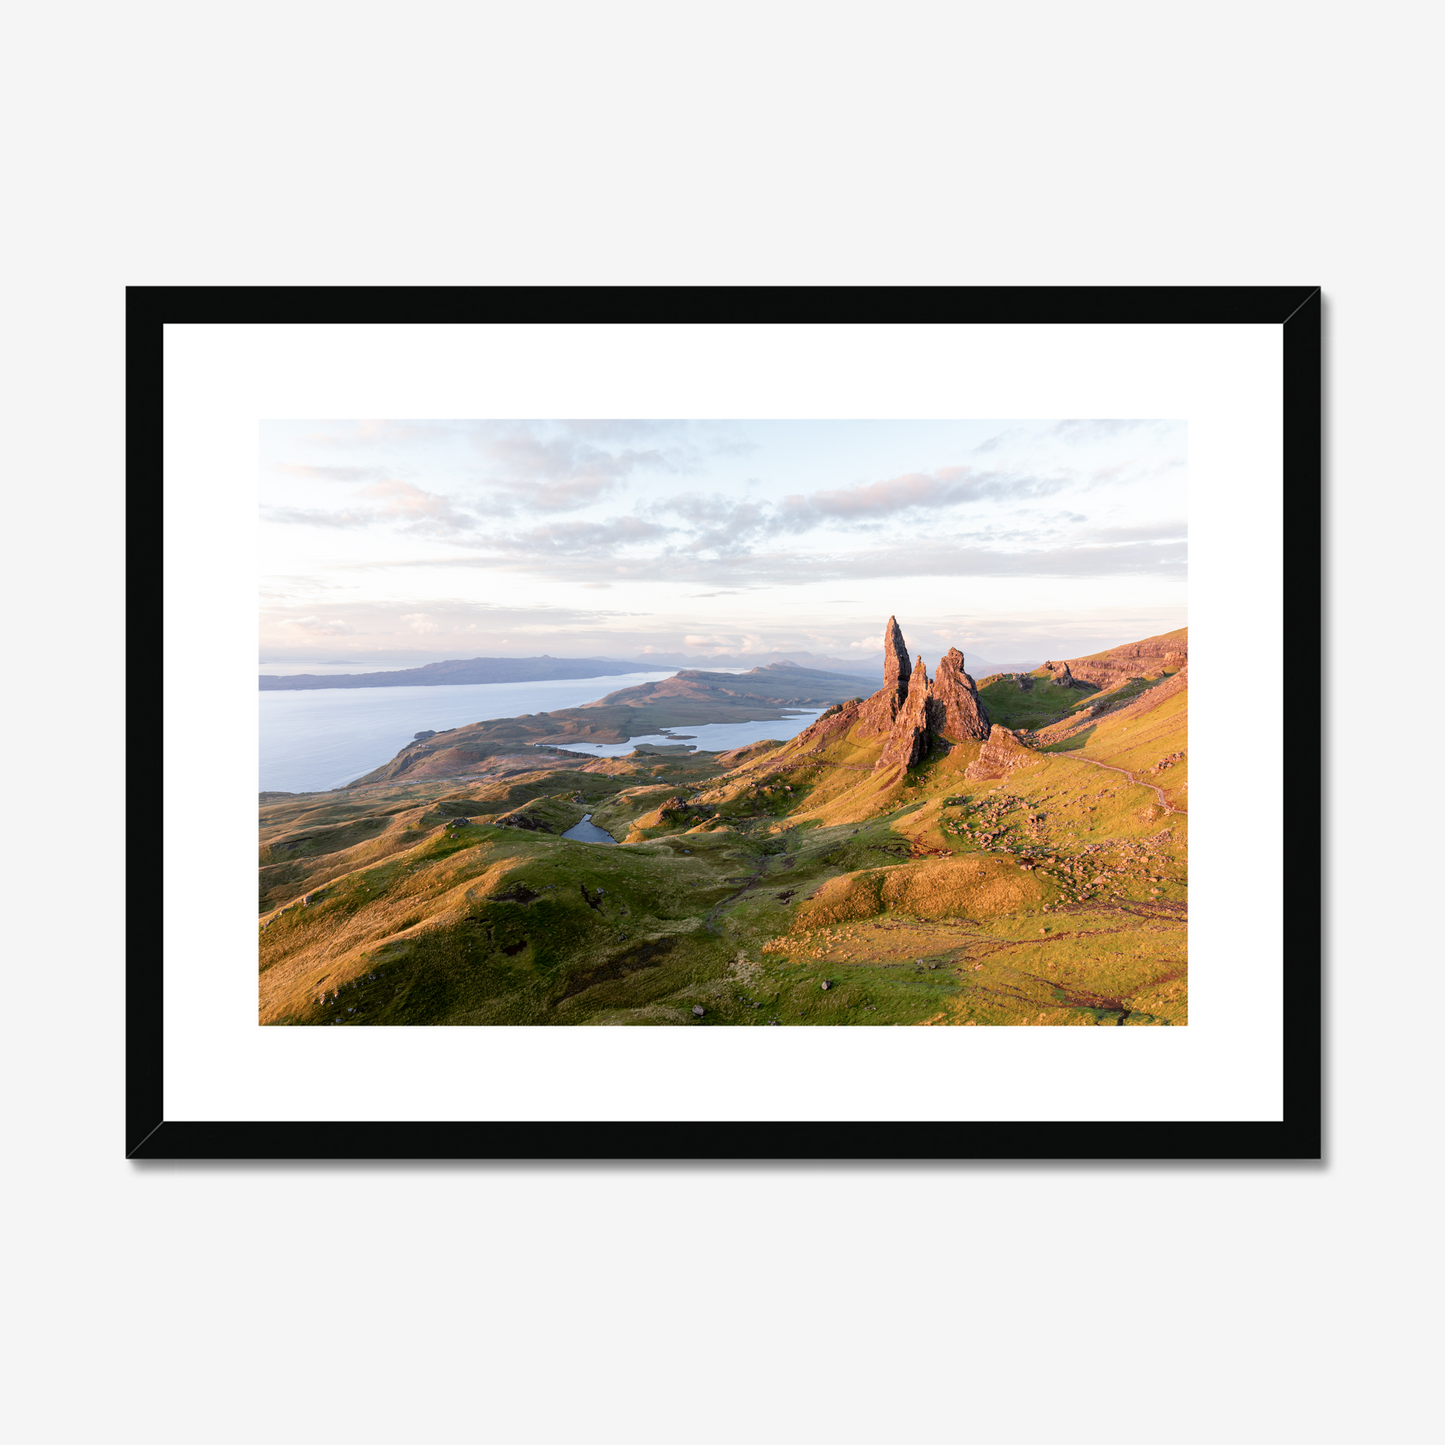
(1167, 805)
(709, 921)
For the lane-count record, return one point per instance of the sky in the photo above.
(410, 541)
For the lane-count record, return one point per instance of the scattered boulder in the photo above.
(698, 1010)
(522, 820)
(517, 893)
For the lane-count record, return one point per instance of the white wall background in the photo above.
(1236, 143)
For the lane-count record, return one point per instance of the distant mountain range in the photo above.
(863, 667)
(484, 670)
(873, 668)
(471, 670)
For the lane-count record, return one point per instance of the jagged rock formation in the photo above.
(1152, 655)
(880, 712)
(833, 724)
(1117, 707)
(909, 710)
(1001, 754)
(957, 713)
(908, 743)
(1060, 675)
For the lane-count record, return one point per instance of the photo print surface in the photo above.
(723, 723)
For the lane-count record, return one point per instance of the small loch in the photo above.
(586, 832)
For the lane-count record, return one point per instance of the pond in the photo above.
(586, 832)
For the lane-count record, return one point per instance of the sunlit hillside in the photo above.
(1036, 874)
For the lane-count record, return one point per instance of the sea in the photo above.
(318, 739)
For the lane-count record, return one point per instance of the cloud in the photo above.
(1149, 532)
(947, 487)
(548, 466)
(404, 502)
(495, 501)
(329, 474)
(317, 627)
(563, 471)
(309, 517)
(575, 537)
(1103, 428)
(444, 627)
(936, 556)
(545, 466)
(424, 511)
(720, 523)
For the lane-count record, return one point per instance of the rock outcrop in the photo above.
(909, 740)
(1001, 754)
(1060, 675)
(834, 723)
(1151, 656)
(957, 712)
(1114, 707)
(911, 712)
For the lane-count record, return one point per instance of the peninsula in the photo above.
(688, 699)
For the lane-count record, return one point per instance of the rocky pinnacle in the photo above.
(957, 712)
(896, 672)
(909, 741)
(881, 710)
(914, 713)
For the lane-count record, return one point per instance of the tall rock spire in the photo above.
(896, 672)
(957, 712)
(877, 715)
(913, 714)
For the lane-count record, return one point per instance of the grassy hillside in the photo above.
(779, 884)
(1030, 708)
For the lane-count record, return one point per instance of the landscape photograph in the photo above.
(723, 723)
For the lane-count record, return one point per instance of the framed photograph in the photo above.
(725, 723)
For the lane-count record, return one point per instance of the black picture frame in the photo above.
(1297, 310)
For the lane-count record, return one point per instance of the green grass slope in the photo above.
(782, 884)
